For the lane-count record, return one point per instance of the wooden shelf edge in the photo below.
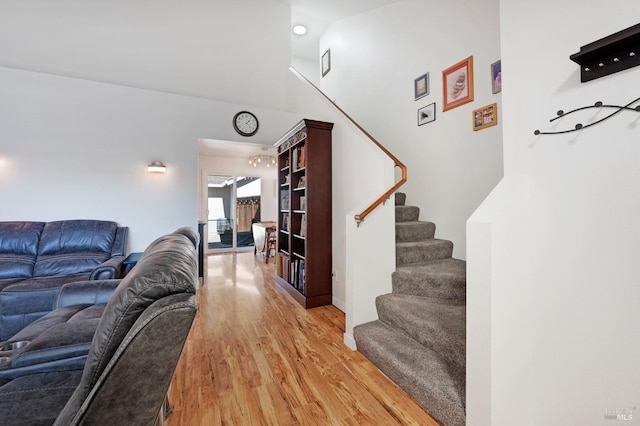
(306, 302)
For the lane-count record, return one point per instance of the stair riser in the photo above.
(407, 213)
(411, 254)
(439, 328)
(415, 231)
(400, 198)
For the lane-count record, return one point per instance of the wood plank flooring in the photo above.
(255, 357)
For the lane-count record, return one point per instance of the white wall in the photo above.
(582, 265)
(72, 148)
(310, 69)
(375, 58)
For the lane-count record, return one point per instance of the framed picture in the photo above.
(457, 84)
(484, 117)
(421, 86)
(427, 114)
(326, 62)
(496, 77)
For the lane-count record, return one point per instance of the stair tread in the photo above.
(441, 278)
(438, 386)
(436, 323)
(414, 223)
(451, 266)
(418, 252)
(414, 230)
(428, 242)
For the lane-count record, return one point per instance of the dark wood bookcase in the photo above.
(303, 258)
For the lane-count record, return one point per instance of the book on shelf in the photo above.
(303, 226)
(302, 182)
(298, 157)
(303, 202)
(286, 222)
(301, 159)
(292, 271)
(284, 199)
(279, 264)
(283, 266)
(294, 158)
(301, 276)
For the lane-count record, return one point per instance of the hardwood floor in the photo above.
(255, 357)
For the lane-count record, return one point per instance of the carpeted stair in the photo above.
(419, 338)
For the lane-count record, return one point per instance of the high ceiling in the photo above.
(317, 14)
(214, 49)
(223, 50)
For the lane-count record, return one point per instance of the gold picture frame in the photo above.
(457, 84)
(484, 117)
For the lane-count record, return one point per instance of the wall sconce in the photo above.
(157, 167)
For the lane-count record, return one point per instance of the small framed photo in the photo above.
(496, 77)
(421, 86)
(427, 114)
(484, 117)
(457, 84)
(326, 62)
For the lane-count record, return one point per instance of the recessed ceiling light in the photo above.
(300, 29)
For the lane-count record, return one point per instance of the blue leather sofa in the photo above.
(60, 340)
(38, 258)
(136, 343)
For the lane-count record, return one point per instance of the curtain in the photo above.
(247, 209)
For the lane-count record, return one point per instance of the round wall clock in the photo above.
(245, 123)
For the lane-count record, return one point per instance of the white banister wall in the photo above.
(361, 174)
(496, 368)
(370, 262)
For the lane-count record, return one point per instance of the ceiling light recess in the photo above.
(299, 29)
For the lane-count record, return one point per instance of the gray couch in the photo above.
(38, 258)
(136, 345)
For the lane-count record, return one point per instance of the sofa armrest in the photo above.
(109, 269)
(92, 292)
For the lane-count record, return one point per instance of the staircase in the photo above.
(419, 339)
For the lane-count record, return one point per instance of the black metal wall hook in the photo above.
(580, 126)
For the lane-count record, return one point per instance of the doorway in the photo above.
(233, 204)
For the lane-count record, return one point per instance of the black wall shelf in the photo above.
(611, 54)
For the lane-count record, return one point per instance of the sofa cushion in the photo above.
(8, 282)
(63, 341)
(27, 300)
(74, 246)
(18, 248)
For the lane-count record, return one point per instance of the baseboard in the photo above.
(349, 341)
(339, 303)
